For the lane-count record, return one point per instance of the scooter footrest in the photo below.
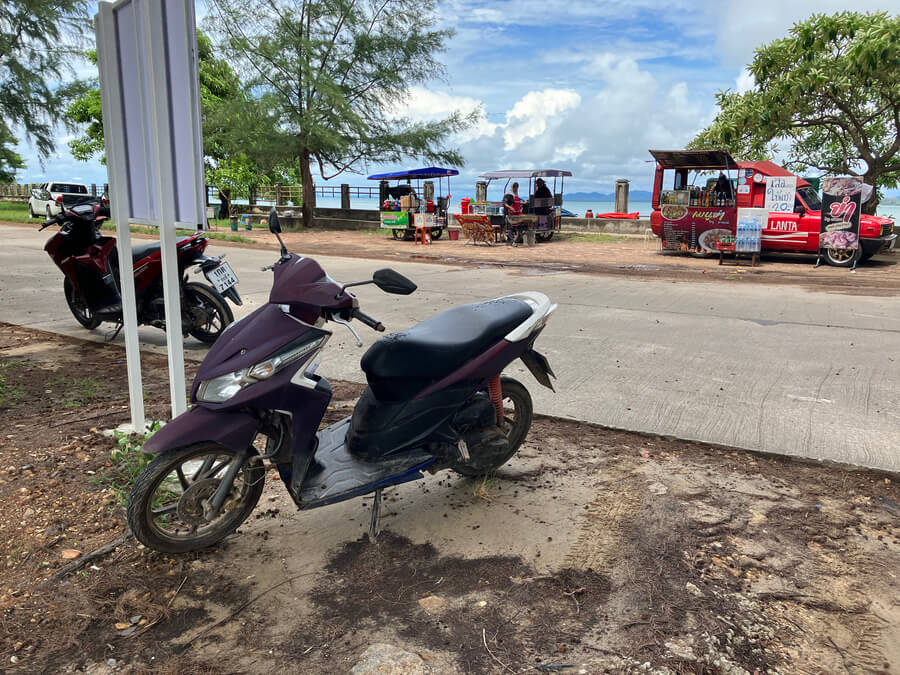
(344, 476)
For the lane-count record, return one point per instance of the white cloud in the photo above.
(741, 27)
(745, 82)
(535, 113)
(425, 105)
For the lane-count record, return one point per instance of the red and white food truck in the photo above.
(693, 217)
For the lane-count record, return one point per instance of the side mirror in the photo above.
(393, 282)
(798, 208)
(274, 224)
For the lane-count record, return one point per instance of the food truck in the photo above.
(542, 214)
(405, 206)
(693, 210)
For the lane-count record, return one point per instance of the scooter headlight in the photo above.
(291, 354)
(220, 389)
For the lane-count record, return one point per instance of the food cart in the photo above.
(542, 215)
(405, 206)
(693, 216)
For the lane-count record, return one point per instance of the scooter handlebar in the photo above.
(374, 324)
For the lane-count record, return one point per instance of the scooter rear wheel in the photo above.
(79, 307)
(518, 413)
(166, 504)
(206, 311)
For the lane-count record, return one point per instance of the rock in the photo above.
(693, 590)
(384, 659)
(432, 603)
(70, 553)
(658, 488)
(28, 512)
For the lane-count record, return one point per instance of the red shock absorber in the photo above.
(496, 393)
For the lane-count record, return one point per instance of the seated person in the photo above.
(512, 201)
(541, 191)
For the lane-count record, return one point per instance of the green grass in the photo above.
(85, 390)
(9, 394)
(16, 212)
(128, 459)
(595, 237)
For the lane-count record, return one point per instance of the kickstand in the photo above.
(376, 505)
(113, 334)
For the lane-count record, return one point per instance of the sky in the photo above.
(583, 85)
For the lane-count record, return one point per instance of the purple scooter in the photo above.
(436, 400)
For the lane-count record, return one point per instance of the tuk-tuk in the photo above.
(541, 214)
(405, 206)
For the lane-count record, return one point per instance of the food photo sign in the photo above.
(842, 200)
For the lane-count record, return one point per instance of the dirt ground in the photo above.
(594, 550)
(636, 257)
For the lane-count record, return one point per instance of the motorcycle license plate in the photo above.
(222, 277)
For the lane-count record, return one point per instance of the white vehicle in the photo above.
(47, 200)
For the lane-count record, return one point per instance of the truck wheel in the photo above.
(436, 233)
(544, 236)
(842, 257)
(397, 234)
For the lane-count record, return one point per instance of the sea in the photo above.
(577, 207)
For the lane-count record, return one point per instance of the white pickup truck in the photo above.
(48, 199)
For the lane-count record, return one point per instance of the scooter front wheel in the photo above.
(168, 508)
(518, 413)
(79, 307)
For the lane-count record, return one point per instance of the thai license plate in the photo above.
(222, 277)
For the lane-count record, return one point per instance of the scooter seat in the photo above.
(142, 251)
(401, 364)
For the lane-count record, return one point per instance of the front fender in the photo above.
(234, 430)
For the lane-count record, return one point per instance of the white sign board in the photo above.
(150, 92)
(780, 192)
(750, 224)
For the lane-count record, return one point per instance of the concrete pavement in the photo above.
(769, 368)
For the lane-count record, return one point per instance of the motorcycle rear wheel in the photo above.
(79, 307)
(165, 507)
(518, 413)
(205, 311)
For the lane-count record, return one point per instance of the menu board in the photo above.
(750, 224)
(780, 192)
(841, 202)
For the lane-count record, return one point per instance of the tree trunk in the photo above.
(309, 196)
(872, 205)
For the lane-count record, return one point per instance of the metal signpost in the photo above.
(150, 92)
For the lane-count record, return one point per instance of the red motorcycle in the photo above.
(89, 261)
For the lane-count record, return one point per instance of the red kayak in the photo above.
(620, 216)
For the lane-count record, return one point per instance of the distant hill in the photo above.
(633, 195)
(891, 201)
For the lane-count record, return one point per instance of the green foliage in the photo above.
(830, 91)
(330, 74)
(36, 39)
(10, 160)
(128, 459)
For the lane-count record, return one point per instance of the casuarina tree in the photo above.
(336, 74)
(830, 92)
(38, 41)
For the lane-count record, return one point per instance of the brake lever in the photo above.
(344, 322)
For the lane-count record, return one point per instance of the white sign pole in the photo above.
(166, 192)
(120, 204)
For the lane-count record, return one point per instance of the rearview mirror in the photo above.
(393, 282)
(274, 224)
(798, 208)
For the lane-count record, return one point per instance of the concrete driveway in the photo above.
(770, 368)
